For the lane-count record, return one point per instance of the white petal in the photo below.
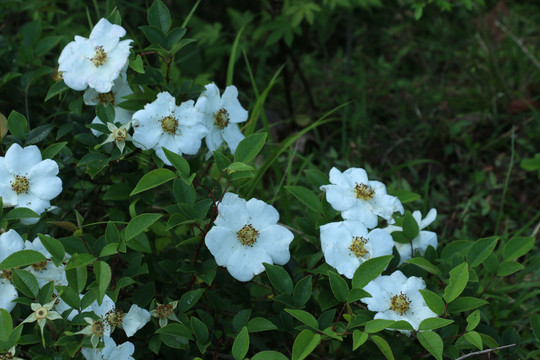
(425, 239)
(10, 242)
(338, 178)
(379, 300)
(221, 242)
(405, 252)
(43, 180)
(19, 161)
(106, 34)
(9, 293)
(232, 136)
(275, 240)
(245, 262)
(336, 240)
(430, 217)
(356, 176)
(123, 352)
(381, 243)
(189, 142)
(135, 319)
(229, 101)
(232, 212)
(339, 197)
(9, 197)
(31, 201)
(213, 100)
(214, 139)
(261, 214)
(106, 305)
(361, 211)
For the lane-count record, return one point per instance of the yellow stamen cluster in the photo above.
(40, 265)
(364, 192)
(358, 246)
(97, 328)
(169, 124)
(115, 317)
(222, 118)
(119, 134)
(400, 303)
(164, 310)
(57, 76)
(247, 235)
(100, 57)
(106, 98)
(20, 185)
(7, 274)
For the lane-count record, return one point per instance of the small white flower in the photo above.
(119, 135)
(95, 62)
(396, 297)
(110, 351)
(360, 199)
(347, 244)
(10, 242)
(46, 271)
(246, 234)
(221, 116)
(27, 181)
(163, 124)
(421, 242)
(165, 312)
(41, 314)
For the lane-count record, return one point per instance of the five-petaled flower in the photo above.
(165, 312)
(163, 124)
(10, 242)
(246, 235)
(28, 181)
(347, 244)
(360, 199)
(41, 313)
(396, 297)
(221, 116)
(97, 61)
(110, 351)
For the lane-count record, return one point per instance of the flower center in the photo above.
(400, 303)
(41, 313)
(115, 317)
(7, 355)
(106, 98)
(119, 134)
(20, 184)
(358, 246)
(100, 56)
(7, 274)
(363, 191)
(57, 76)
(169, 124)
(222, 119)
(40, 265)
(97, 328)
(164, 310)
(247, 235)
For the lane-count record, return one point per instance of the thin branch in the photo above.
(485, 351)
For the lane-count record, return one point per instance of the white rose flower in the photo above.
(95, 62)
(421, 242)
(163, 124)
(221, 116)
(347, 244)
(110, 351)
(27, 181)
(10, 242)
(360, 199)
(46, 271)
(396, 297)
(246, 234)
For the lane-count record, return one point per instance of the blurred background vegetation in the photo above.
(441, 98)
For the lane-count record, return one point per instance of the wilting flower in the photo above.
(163, 124)
(110, 351)
(95, 62)
(119, 135)
(10, 242)
(41, 314)
(347, 244)
(28, 181)
(165, 312)
(246, 235)
(9, 354)
(421, 242)
(221, 116)
(46, 270)
(396, 297)
(360, 199)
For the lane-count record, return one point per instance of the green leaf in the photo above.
(249, 147)
(459, 276)
(103, 278)
(55, 89)
(280, 279)
(434, 323)
(6, 325)
(70, 296)
(239, 166)
(178, 162)
(174, 36)
(369, 270)
(465, 303)
(304, 344)
(22, 258)
(433, 301)
(432, 342)
(152, 179)
(304, 317)
(377, 325)
(17, 124)
(189, 299)
(76, 278)
(79, 260)
(176, 329)
(302, 291)
(481, 249)
(410, 226)
(20, 213)
(26, 283)
(269, 355)
(339, 286)
(232, 58)
(154, 34)
(535, 325)
(137, 64)
(108, 250)
(474, 338)
(473, 320)
(222, 161)
(508, 268)
(359, 338)
(259, 324)
(383, 346)
(306, 197)
(200, 330)
(517, 247)
(53, 246)
(139, 224)
(405, 196)
(159, 16)
(423, 263)
(106, 113)
(241, 344)
(53, 149)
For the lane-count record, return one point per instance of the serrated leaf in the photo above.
(153, 179)
(53, 149)
(178, 162)
(432, 342)
(459, 277)
(465, 303)
(473, 320)
(139, 224)
(189, 299)
(369, 270)
(338, 285)
(304, 344)
(383, 346)
(359, 338)
(78, 260)
(26, 283)
(53, 246)
(508, 268)
(3, 126)
(405, 196)
(517, 247)
(269, 355)
(6, 325)
(302, 290)
(424, 264)
(474, 338)
(377, 325)
(137, 64)
(103, 278)
(259, 324)
(20, 213)
(56, 89)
